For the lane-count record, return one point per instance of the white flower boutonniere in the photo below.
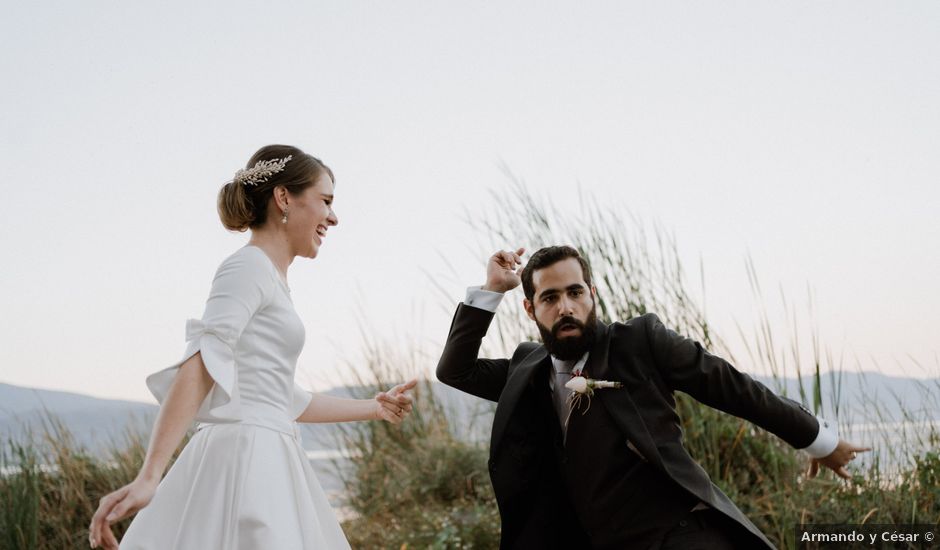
(582, 386)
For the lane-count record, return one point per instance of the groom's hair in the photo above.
(547, 256)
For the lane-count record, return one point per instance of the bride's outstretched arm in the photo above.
(190, 387)
(392, 406)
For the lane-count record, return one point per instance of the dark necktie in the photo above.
(560, 393)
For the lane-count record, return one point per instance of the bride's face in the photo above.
(310, 215)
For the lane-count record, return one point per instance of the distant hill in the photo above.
(93, 421)
(25, 411)
(869, 396)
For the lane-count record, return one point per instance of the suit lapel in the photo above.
(617, 401)
(518, 381)
(597, 366)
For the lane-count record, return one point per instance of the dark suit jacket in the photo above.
(652, 362)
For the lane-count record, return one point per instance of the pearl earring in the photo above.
(284, 217)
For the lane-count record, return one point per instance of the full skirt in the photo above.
(238, 486)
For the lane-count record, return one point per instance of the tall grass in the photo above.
(637, 270)
(425, 484)
(50, 486)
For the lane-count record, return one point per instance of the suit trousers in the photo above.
(701, 530)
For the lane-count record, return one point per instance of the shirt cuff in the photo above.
(483, 299)
(826, 440)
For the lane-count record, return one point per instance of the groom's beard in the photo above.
(572, 347)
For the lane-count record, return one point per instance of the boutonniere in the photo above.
(584, 385)
(581, 387)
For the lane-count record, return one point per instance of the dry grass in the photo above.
(426, 485)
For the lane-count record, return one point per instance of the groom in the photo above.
(612, 472)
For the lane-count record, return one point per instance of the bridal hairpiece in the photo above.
(261, 171)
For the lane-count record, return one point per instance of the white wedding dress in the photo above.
(243, 481)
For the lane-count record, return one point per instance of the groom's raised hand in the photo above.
(837, 460)
(504, 271)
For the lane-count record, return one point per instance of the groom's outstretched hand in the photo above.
(844, 453)
(504, 271)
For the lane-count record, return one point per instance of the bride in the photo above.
(243, 481)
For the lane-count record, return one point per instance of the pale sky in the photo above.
(804, 133)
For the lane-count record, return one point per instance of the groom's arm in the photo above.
(687, 367)
(460, 366)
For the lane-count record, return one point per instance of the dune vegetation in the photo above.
(425, 484)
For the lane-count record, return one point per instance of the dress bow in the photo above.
(196, 328)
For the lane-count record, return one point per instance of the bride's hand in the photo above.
(116, 506)
(393, 405)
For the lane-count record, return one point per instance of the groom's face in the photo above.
(563, 308)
